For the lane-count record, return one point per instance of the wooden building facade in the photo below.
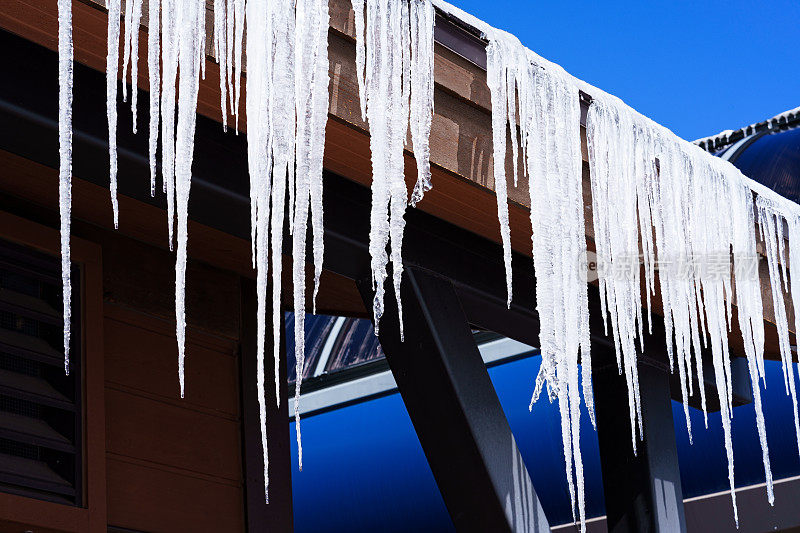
(149, 460)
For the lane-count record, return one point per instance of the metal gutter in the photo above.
(467, 42)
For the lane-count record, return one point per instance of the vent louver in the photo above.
(40, 411)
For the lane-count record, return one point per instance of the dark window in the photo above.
(40, 407)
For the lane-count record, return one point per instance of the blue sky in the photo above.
(697, 67)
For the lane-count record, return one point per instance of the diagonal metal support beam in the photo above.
(642, 492)
(454, 408)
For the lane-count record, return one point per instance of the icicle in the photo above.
(112, 66)
(423, 17)
(385, 89)
(380, 47)
(238, 36)
(133, 17)
(304, 91)
(680, 202)
(496, 53)
(287, 55)
(771, 220)
(230, 21)
(154, 76)
(259, 163)
(65, 159)
(398, 128)
(169, 74)
(358, 22)
(794, 277)
(648, 187)
(221, 53)
(549, 117)
(749, 306)
(190, 23)
(554, 173)
(316, 127)
(282, 144)
(610, 138)
(126, 45)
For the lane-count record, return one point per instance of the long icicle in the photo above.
(311, 100)
(497, 51)
(221, 53)
(423, 18)
(794, 278)
(749, 306)
(169, 61)
(65, 160)
(133, 17)
(387, 95)
(190, 24)
(154, 78)
(112, 68)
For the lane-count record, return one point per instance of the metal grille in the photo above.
(40, 411)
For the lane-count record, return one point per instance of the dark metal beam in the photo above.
(642, 492)
(455, 411)
(277, 515)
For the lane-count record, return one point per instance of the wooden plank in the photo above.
(141, 357)
(178, 436)
(142, 277)
(145, 497)
(36, 184)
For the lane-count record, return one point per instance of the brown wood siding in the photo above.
(161, 463)
(172, 464)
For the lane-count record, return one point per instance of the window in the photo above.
(40, 406)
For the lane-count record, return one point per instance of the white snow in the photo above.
(65, 159)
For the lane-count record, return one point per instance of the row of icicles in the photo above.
(287, 54)
(663, 206)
